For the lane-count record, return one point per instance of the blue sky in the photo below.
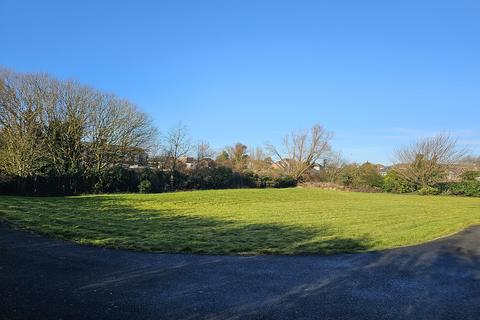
(377, 73)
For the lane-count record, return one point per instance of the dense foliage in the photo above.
(118, 179)
(471, 176)
(363, 177)
(393, 182)
(464, 188)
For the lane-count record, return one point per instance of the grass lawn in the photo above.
(246, 221)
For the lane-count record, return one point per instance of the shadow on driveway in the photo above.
(42, 278)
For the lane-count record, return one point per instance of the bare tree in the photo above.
(116, 128)
(302, 150)
(333, 165)
(260, 161)
(65, 121)
(426, 162)
(177, 144)
(52, 127)
(204, 152)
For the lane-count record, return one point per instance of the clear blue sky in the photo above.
(377, 73)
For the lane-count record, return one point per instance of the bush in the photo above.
(145, 186)
(428, 191)
(180, 181)
(147, 180)
(368, 176)
(220, 178)
(284, 182)
(470, 176)
(364, 177)
(265, 181)
(393, 182)
(347, 179)
(466, 188)
(114, 179)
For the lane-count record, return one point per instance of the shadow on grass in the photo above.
(110, 221)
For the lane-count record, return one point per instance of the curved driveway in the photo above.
(42, 278)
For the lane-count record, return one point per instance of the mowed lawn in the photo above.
(246, 221)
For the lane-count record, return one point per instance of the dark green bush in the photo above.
(145, 186)
(224, 177)
(115, 179)
(347, 179)
(121, 179)
(466, 188)
(220, 178)
(264, 181)
(284, 182)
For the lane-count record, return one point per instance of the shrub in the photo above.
(220, 178)
(7, 184)
(180, 180)
(470, 176)
(466, 188)
(347, 179)
(393, 182)
(114, 179)
(368, 176)
(145, 186)
(121, 179)
(427, 191)
(364, 177)
(265, 181)
(284, 182)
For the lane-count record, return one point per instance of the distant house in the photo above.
(383, 170)
(284, 164)
(206, 163)
(188, 162)
(118, 155)
(136, 158)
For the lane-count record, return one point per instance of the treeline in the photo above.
(63, 138)
(368, 177)
(61, 135)
(435, 165)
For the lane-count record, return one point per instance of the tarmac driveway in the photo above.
(41, 278)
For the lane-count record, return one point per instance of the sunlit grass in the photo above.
(247, 221)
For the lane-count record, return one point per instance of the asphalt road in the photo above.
(41, 278)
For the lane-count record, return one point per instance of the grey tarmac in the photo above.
(43, 278)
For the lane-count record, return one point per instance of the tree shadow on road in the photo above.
(437, 280)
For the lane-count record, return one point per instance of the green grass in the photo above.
(247, 221)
